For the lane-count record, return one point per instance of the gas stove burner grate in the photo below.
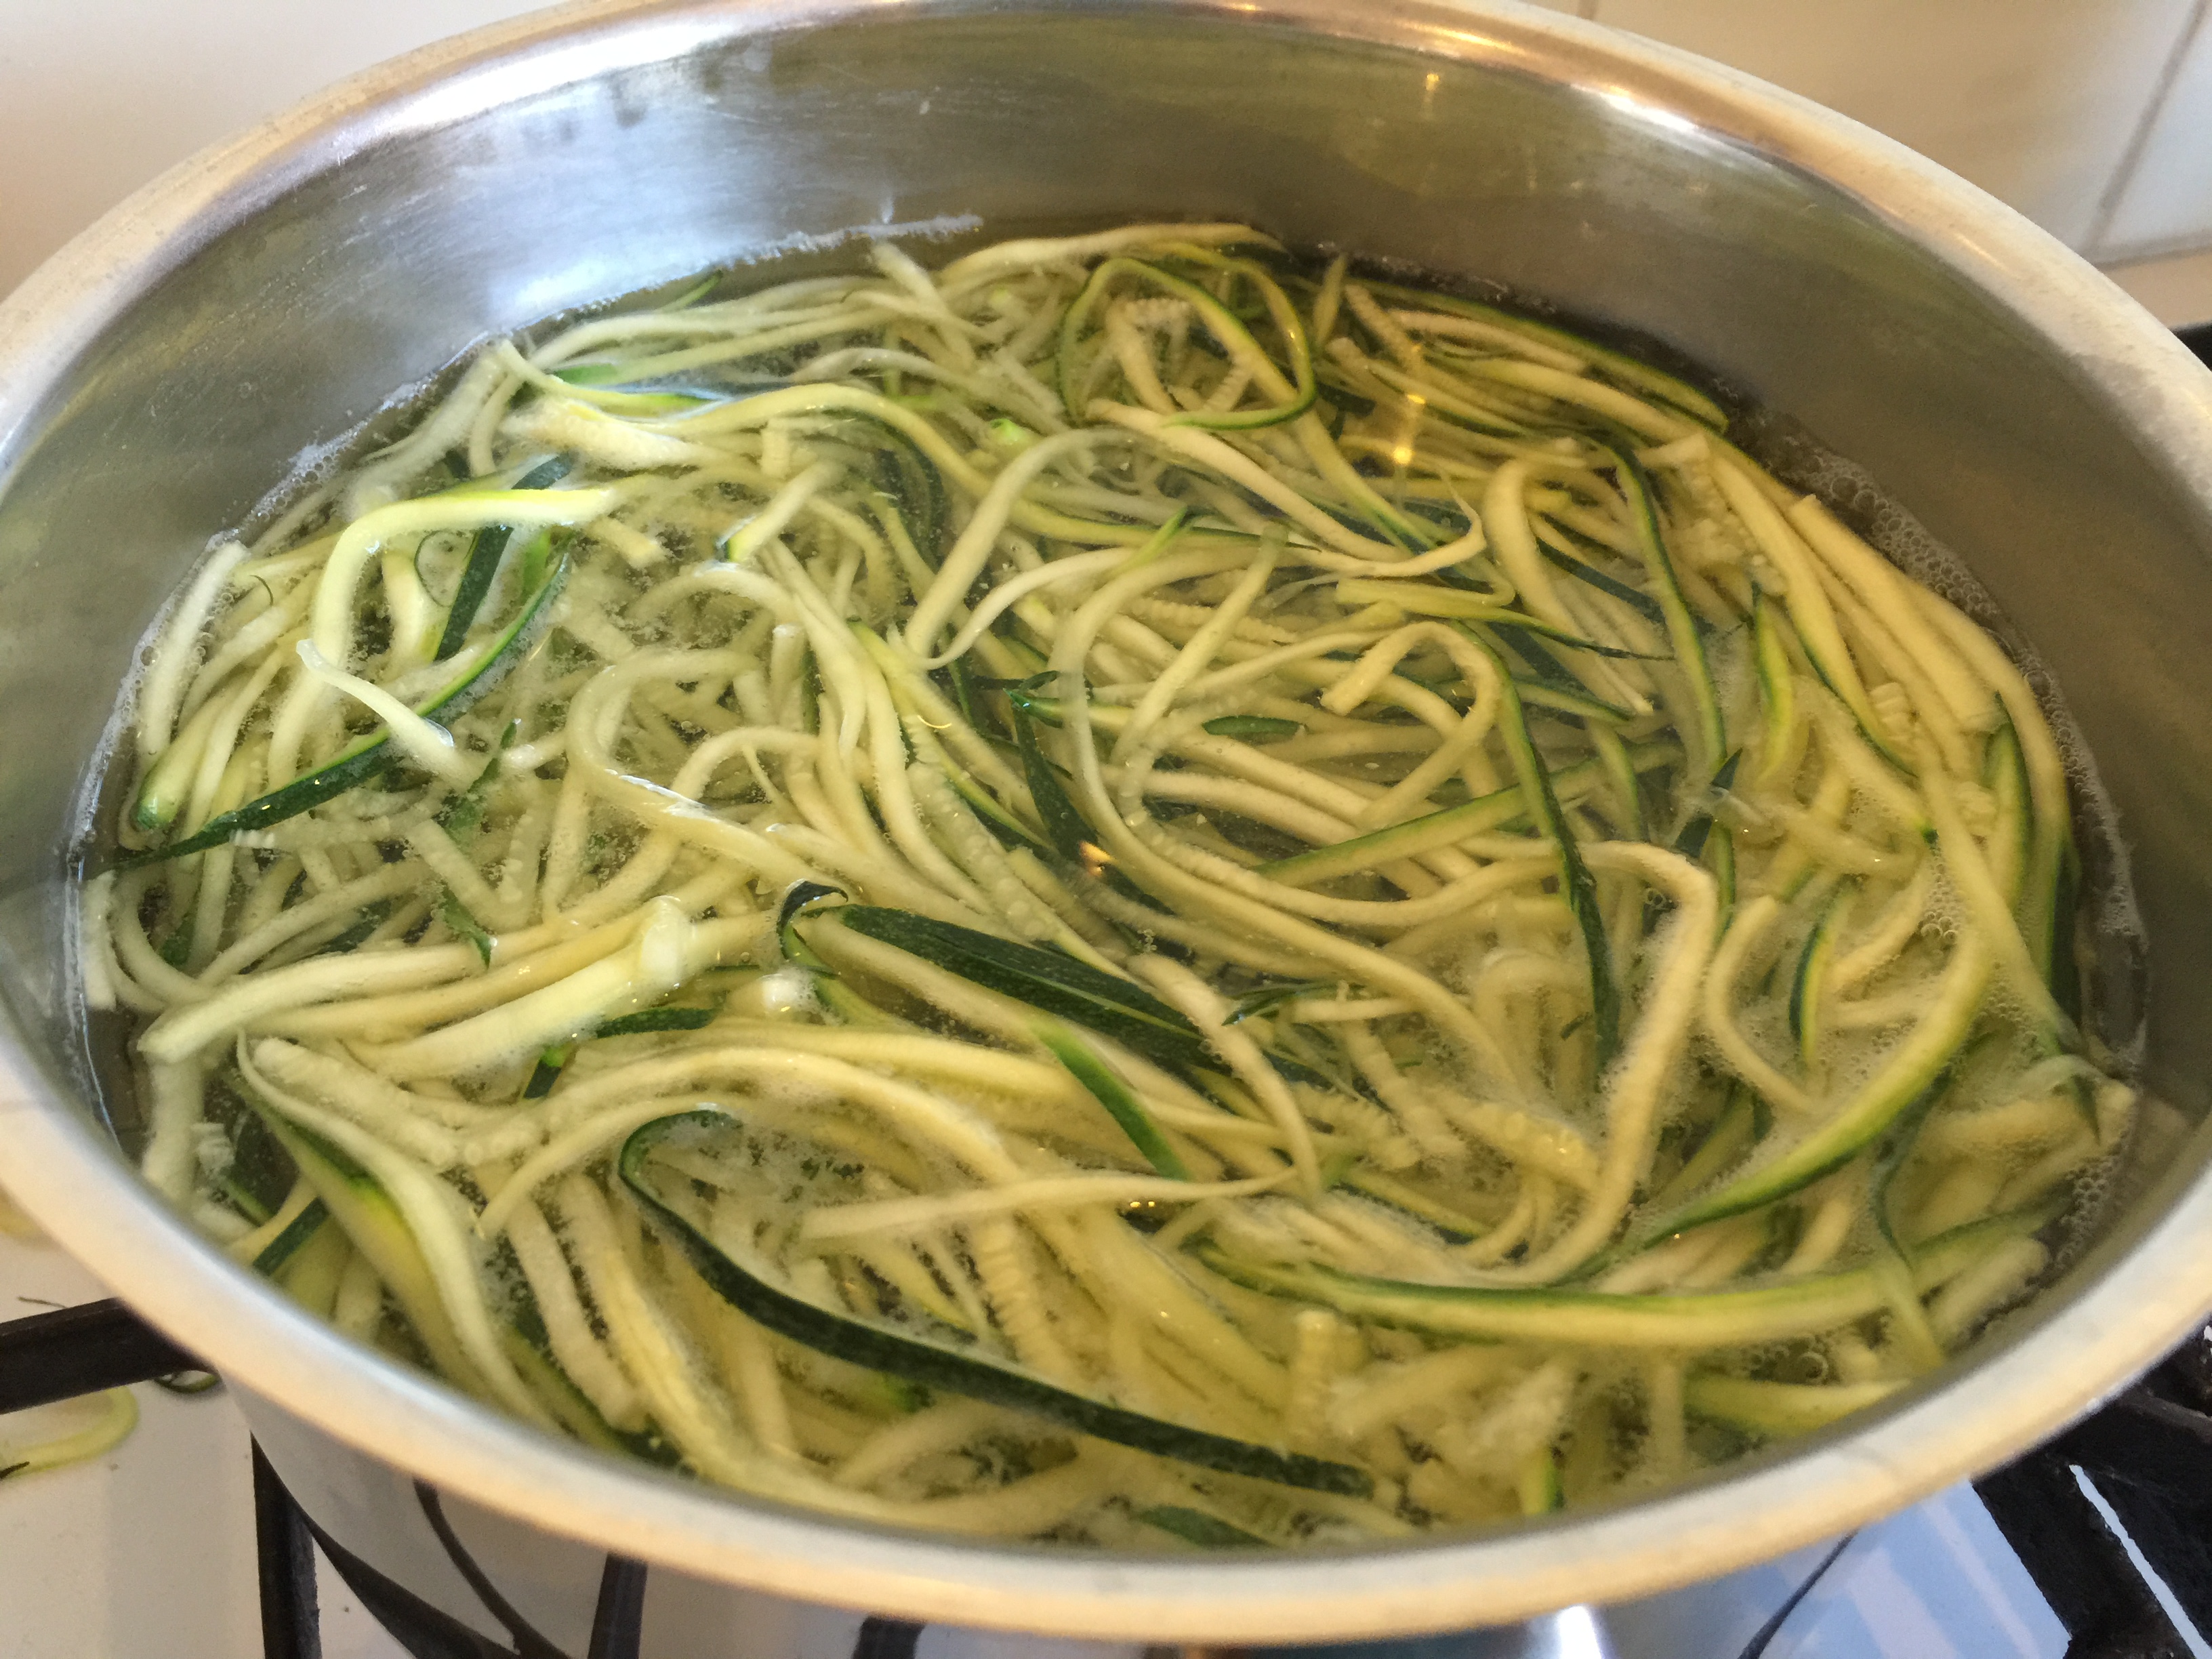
(290, 1616)
(2113, 1518)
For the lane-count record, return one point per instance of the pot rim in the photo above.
(2026, 1382)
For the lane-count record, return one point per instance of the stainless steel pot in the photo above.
(159, 374)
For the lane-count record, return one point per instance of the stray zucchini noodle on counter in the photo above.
(89, 1427)
(1134, 892)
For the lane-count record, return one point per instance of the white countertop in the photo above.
(98, 97)
(147, 1552)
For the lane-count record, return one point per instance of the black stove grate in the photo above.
(291, 1626)
(2118, 1510)
(291, 1623)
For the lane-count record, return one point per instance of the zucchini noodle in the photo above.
(1134, 893)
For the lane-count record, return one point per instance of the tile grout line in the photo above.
(2124, 172)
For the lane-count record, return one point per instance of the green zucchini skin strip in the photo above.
(370, 755)
(1591, 711)
(365, 761)
(455, 914)
(1723, 868)
(655, 1019)
(1539, 1487)
(535, 550)
(1805, 985)
(1548, 685)
(796, 904)
(1208, 1532)
(371, 916)
(1426, 600)
(484, 553)
(462, 814)
(1691, 843)
(1114, 1094)
(1453, 823)
(912, 488)
(1218, 319)
(547, 1072)
(1580, 887)
(554, 1060)
(1643, 604)
(1266, 998)
(1711, 735)
(1437, 405)
(1045, 980)
(1620, 777)
(1297, 343)
(1629, 370)
(350, 1197)
(1053, 711)
(546, 1379)
(1734, 1131)
(287, 1244)
(1697, 835)
(1911, 1069)
(1772, 1409)
(1254, 728)
(1008, 829)
(1916, 1064)
(359, 1206)
(2051, 874)
(1685, 1320)
(1777, 693)
(1064, 825)
(913, 1360)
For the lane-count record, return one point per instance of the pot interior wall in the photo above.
(545, 180)
(294, 320)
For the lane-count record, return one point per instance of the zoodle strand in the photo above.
(1131, 892)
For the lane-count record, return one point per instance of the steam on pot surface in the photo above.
(1137, 891)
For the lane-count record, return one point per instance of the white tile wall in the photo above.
(2036, 100)
(2165, 202)
(2176, 289)
(2093, 117)
(99, 96)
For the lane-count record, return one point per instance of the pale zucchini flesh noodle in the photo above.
(1131, 892)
